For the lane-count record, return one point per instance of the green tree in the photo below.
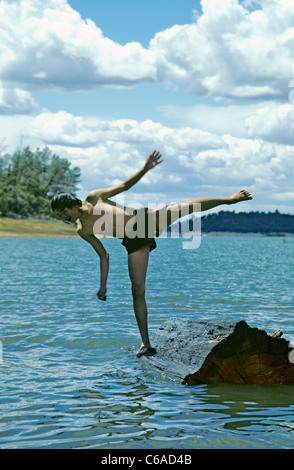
(28, 180)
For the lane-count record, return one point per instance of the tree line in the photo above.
(244, 222)
(29, 179)
(248, 222)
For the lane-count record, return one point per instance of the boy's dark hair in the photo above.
(62, 200)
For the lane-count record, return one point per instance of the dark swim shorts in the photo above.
(137, 243)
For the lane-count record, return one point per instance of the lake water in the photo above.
(69, 379)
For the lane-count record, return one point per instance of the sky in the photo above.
(208, 83)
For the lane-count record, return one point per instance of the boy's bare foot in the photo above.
(239, 196)
(146, 351)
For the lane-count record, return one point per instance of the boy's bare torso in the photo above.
(104, 218)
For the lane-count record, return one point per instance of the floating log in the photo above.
(200, 352)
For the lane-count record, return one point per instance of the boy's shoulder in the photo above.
(94, 196)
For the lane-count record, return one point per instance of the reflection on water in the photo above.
(69, 379)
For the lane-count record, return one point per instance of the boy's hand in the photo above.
(101, 294)
(154, 159)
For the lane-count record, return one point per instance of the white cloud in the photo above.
(228, 52)
(107, 150)
(273, 123)
(11, 131)
(216, 119)
(269, 121)
(196, 163)
(48, 45)
(63, 128)
(15, 101)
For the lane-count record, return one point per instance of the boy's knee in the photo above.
(138, 290)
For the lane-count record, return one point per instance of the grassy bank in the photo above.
(35, 228)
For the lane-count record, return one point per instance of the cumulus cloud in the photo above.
(229, 51)
(274, 123)
(15, 101)
(48, 45)
(216, 119)
(196, 162)
(64, 128)
(233, 50)
(113, 149)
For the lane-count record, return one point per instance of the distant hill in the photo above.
(245, 222)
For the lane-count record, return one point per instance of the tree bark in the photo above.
(199, 352)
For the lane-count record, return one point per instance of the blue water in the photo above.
(68, 378)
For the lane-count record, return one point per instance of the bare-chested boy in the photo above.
(97, 214)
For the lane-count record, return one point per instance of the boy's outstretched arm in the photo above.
(154, 159)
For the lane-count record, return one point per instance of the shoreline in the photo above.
(34, 228)
(41, 235)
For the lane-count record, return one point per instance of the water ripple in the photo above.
(68, 378)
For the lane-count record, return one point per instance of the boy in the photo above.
(97, 214)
